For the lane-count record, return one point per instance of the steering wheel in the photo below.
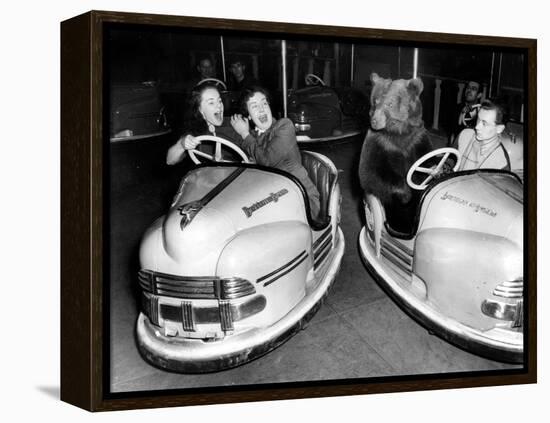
(431, 171)
(217, 157)
(312, 79)
(214, 80)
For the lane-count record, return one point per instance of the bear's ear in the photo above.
(415, 86)
(374, 77)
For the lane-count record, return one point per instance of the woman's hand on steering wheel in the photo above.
(217, 156)
(189, 142)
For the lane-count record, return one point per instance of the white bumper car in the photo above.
(237, 265)
(460, 271)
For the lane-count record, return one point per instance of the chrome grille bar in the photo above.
(406, 250)
(187, 320)
(510, 289)
(154, 310)
(399, 255)
(194, 287)
(518, 321)
(204, 315)
(226, 316)
(393, 259)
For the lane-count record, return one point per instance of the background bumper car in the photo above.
(136, 112)
(322, 113)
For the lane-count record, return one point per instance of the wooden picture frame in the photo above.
(84, 205)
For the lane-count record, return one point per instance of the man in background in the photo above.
(239, 78)
(466, 112)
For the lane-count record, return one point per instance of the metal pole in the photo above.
(223, 59)
(336, 65)
(398, 62)
(415, 63)
(283, 57)
(499, 74)
(352, 79)
(492, 71)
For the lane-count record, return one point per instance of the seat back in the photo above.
(512, 140)
(323, 177)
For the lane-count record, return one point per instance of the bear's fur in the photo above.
(397, 139)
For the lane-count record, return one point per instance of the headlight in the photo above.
(502, 310)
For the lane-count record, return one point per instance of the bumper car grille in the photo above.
(510, 289)
(194, 287)
(399, 255)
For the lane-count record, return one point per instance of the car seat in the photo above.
(324, 177)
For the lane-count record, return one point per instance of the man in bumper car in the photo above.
(239, 77)
(481, 147)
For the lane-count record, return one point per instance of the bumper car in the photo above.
(459, 272)
(136, 112)
(237, 265)
(322, 113)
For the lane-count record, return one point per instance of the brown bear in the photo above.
(397, 138)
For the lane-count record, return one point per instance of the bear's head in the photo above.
(395, 105)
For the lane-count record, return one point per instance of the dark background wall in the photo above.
(169, 58)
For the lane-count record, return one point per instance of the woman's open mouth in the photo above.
(263, 118)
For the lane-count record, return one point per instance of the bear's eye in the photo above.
(390, 104)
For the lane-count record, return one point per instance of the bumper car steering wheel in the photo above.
(217, 157)
(433, 171)
(312, 79)
(216, 82)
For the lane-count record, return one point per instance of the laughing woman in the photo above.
(273, 142)
(207, 119)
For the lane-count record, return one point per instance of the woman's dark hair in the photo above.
(247, 93)
(196, 125)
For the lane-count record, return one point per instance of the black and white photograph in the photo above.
(292, 209)
(275, 211)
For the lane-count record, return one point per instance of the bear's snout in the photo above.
(378, 120)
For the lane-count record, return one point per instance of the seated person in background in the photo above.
(273, 142)
(466, 113)
(204, 69)
(206, 118)
(482, 147)
(239, 78)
